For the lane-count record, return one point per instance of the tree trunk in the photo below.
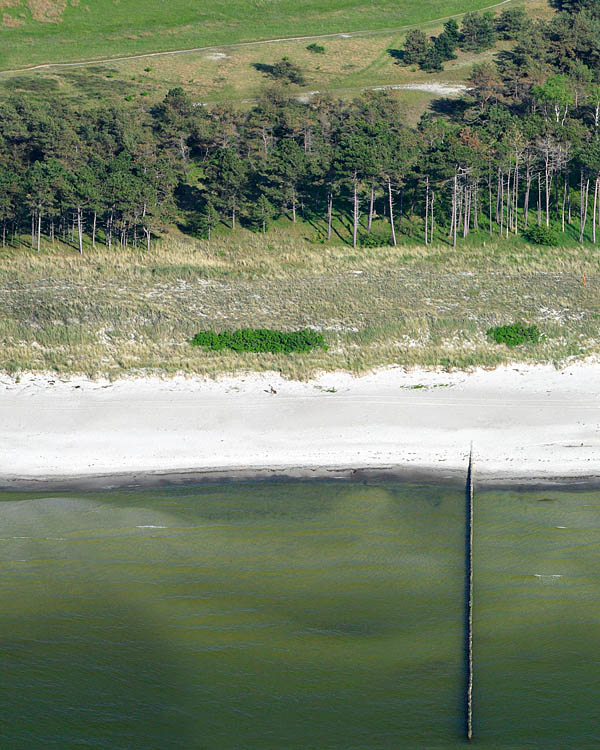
(94, 230)
(432, 217)
(502, 205)
(355, 226)
(581, 197)
(498, 197)
(427, 211)
(564, 202)
(79, 230)
(233, 218)
(371, 203)
(454, 210)
(527, 191)
(39, 231)
(329, 214)
(539, 201)
(490, 200)
(508, 202)
(109, 228)
(391, 205)
(594, 212)
(547, 189)
(453, 214)
(516, 203)
(586, 190)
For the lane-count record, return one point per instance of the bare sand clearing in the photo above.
(524, 422)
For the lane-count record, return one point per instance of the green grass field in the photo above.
(228, 74)
(346, 67)
(44, 31)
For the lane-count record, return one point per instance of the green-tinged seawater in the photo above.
(297, 616)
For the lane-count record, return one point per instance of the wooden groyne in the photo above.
(469, 597)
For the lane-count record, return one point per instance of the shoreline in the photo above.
(138, 481)
(529, 424)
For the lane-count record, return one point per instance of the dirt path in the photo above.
(84, 63)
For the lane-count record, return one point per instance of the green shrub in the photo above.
(287, 70)
(319, 237)
(375, 239)
(260, 340)
(541, 235)
(514, 334)
(318, 49)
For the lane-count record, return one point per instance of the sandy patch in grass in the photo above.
(47, 11)
(11, 22)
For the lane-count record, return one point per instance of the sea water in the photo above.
(297, 616)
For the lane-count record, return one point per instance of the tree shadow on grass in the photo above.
(268, 70)
(397, 54)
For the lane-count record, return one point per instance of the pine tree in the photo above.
(415, 47)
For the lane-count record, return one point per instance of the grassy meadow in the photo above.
(45, 31)
(129, 312)
(229, 72)
(211, 77)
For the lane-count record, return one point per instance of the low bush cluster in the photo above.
(375, 239)
(260, 340)
(541, 235)
(514, 334)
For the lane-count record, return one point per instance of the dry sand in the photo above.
(524, 422)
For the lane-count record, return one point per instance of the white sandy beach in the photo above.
(523, 421)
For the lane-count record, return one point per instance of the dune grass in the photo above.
(125, 313)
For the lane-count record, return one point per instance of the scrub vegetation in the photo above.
(514, 334)
(260, 340)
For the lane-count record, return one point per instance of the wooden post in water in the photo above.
(469, 633)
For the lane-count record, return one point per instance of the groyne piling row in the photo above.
(469, 597)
